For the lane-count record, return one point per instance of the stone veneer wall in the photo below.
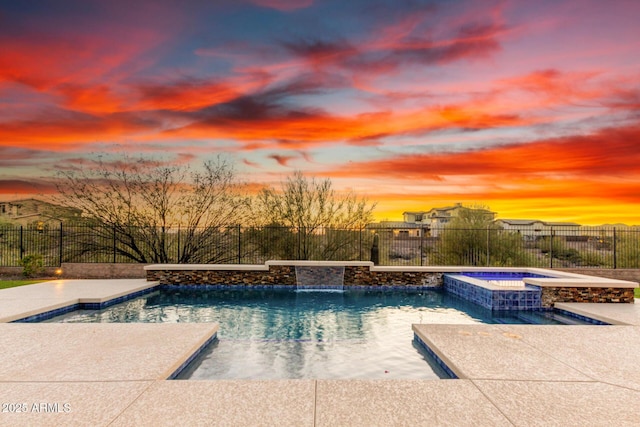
(277, 275)
(550, 295)
(362, 276)
(285, 275)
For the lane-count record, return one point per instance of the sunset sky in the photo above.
(531, 108)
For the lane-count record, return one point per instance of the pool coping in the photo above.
(62, 304)
(613, 314)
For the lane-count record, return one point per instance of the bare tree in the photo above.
(325, 219)
(147, 211)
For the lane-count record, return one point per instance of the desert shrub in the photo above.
(32, 265)
(590, 259)
(472, 238)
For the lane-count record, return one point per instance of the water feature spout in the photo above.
(319, 277)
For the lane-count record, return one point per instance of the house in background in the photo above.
(424, 223)
(37, 213)
(397, 229)
(435, 219)
(533, 229)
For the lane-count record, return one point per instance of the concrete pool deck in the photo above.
(23, 301)
(114, 374)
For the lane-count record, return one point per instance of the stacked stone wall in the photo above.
(277, 275)
(550, 295)
(286, 275)
(362, 276)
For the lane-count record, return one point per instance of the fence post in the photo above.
(421, 246)
(615, 255)
(60, 245)
(488, 250)
(21, 243)
(551, 247)
(114, 243)
(239, 245)
(178, 245)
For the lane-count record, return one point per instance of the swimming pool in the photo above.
(282, 334)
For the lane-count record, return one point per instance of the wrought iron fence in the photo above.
(602, 247)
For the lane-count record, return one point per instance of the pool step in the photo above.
(540, 318)
(550, 318)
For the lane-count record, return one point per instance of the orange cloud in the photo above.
(256, 120)
(590, 179)
(608, 152)
(63, 131)
(194, 94)
(26, 186)
(45, 62)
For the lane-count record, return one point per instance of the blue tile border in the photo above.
(83, 306)
(205, 286)
(321, 287)
(435, 357)
(47, 314)
(118, 300)
(191, 358)
(294, 287)
(529, 298)
(395, 287)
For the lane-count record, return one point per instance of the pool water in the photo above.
(284, 334)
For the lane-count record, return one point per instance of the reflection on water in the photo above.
(286, 334)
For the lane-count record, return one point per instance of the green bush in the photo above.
(472, 238)
(558, 249)
(589, 259)
(32, 265)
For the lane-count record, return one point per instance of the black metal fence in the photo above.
(605, 247)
